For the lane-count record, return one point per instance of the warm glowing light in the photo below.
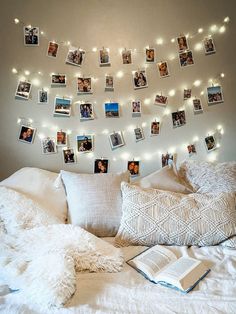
(120, 74)
(14, 70)
(120, 50)
(219, 127)
(218, 145)
(173, 40)
(212, 157)
(172, 57)
(19, 120)
(144, 124)
(166, 112)
(147, 156)
(196, 139)
(172, 92)
(71, 97)
(130, 128)
(213, 28)
(29, 26)
(226, 19)
(39, 72)
(27, 72)
(42, 32)
(202, 92)
(200, 30)
(68, 43)
(222, 29)
(36, 82)
(210, 80)
(197, 83)
(181, 108)
(198, 46)
(172, 150)
(16, 21)
(31, 120)
(22, 78)
(41, 136)
(125, 156)
(114, 159)
(147, 101)
(105, 131)
(94, 49)
(222, 131)
(222, 75)
(90, 155)
(159, 41)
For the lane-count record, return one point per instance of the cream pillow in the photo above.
(159, 217)
(163, 179)
(94, 201)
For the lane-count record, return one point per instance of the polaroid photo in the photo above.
(27, 134)
(197, 105)
(182, 43)
(109, 83)
(42, 96)
(150, 54)
(116, 139)
(186, 58)
(191, 150)
(133, 168)
(31, 36)
(214, 95)
(104, 58)
(161, 100)
(178, 118)
(52, 49)
(187, 94)
(155, 128)
(210, 143)
(139, 135)
(23, 90)
(68, 156)
(101, 166)
(84, 85)
(62, 107)
(209, 45)
(75, 56)
(136, 106)
(167, 159)
(84, 143)
(61, 138)
(112, 110)
(163, 69)
(86, 111)
(140, 79)
(58, 80)
(126, 56)
(48, 146)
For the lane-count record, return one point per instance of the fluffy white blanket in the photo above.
(41, 257)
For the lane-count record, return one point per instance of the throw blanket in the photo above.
(41, 257)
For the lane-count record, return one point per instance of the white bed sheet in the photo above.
(128, 292)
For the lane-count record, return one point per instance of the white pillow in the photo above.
(94, 201)
(38, 184)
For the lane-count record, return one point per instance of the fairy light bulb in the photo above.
(173, 40)
(94, 49)
(200, 30)
(222, 75)
(226, 19)
(14, 71)
(27, 72)
(222, 29)
(16, 21)
(172, 92)
(197, 83)
(159, 41)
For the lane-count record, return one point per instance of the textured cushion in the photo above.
(38, 185)
(208, 177)
(159, 217)
(163, 179)
(94, 201)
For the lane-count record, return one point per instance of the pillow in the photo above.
(38, 185)
(94, 201)
(159, 217)
(208, 177)
(163, 179)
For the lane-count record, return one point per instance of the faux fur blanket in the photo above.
(40, 257)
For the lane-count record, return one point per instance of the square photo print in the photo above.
(62, 107)
(68, 156)
(109, 83)
(126, 56)
(178, 118)
(197, 105)
(133, 168)
(26, 134)
(210, 143)
(84, 143)
(101, 166)
(214, 95)
(150, 55)
(86, 111)
(58, 80)
(139, 135)
(111, 110)
(167, 159)
(209, 45)
(140, 79)
(104, 58)
(116, 139)
(187, 93)
(163, 69)
(52, 49)
(136, 108)
(48, 146)
(23, 90)
(182, 43)
(84, 85)
(161, 100)
(61, 138)
(186, 58)
(155, 128)
(75, 56)
(31, 36)
(42, 96)
(191, 149)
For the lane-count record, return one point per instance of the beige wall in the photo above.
(116, 24)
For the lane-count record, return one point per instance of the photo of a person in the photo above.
(84, 85)
(214, 95)
(155, 128)
(61, 138)
(23, 90)
(42, 96)
(86, 111)
(178, 118)
(191, 149)
(58, 80)
(104, 58)
(111, 110)
(139, 135)
(133, 168)
(52, 49)
(197, 105)
(163, 69)
(75, 56)
(101, 166)
(210, 143)
(68, 155)
(150, 55)
(167, 159)
(209, 45)
(140, 79)
(136, 108)
(62, 107)
(109, 83)
(116, 139)
(48, 146)
(182, 43)
(31, 36)
(126, 56)
(161, 100)
(26, 134)
(186, 58)
(84, 143)
(187, 93)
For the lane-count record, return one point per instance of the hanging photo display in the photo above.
(84, 143)
(112, 110)
(133, 168)
(136, 108)
(161, 100)
(116, 139)
(31, 36)
(191, 149)
(27, 134)
(75, 56)
(163, 69)
(197, 105)
(42, 96)
(167, 159)
(62, 107)
(187, 93)
(178, 118)
(23, 90)
(214, 95)
(68, 156)
(210, 143)
(86, 111)
(150, 55)
(109, 83)
(186, 58)
(84, 85)
(139, 135)
(104, 58)
(126, 56)
(48, 145)
(58, 80)
(61, 138)
(209, 45)
(52, 49)
(140, 79)
(155, 128)
(101, 166)
(182, 43)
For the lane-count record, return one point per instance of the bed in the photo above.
(127, 291)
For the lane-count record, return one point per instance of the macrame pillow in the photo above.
(159, 217)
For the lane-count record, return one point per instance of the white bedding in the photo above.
(129, 292)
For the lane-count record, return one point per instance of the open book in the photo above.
(160, 265)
